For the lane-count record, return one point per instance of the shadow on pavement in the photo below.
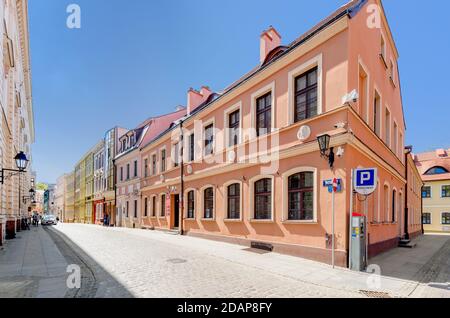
(96, 282)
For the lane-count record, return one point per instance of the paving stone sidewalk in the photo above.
(32, 266)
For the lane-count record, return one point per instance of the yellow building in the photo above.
(434, 168)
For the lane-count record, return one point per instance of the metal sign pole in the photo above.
(350, 222)
(332, 225)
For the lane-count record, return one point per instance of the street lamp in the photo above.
(21, 161)
(325, 150)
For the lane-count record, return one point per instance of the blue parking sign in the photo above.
(365, 181)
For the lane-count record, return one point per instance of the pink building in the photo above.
(244, 165)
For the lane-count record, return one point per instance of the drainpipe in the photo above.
(408, 150)
(181, 204)
(421, 211)
(115, 195)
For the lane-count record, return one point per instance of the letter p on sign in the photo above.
(365, 181)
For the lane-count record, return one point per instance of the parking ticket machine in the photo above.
(358, 260)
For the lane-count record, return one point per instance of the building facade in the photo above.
(129, 169)
(60, 195)
(69, 198)
(434, 167)
(17, 118)
(245, 166)
(99, 182)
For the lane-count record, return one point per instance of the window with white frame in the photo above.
(264, 114)
(387, 126)
(234, 201)
(191, 204)
(208, 203)
(154, 206)
(445, 218)
(262, 199)
(426, 218)
(209, 139)
(301, 196)
(377, 114)
(306, 95)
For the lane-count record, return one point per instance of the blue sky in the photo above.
(134, 59)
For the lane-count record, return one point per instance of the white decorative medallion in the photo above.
(304, 133)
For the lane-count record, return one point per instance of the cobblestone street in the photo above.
(119, 262)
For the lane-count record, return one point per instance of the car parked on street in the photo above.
(49, 220)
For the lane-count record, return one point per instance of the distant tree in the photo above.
(41, 186)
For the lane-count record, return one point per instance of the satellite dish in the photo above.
(231, 155)
(189, 169)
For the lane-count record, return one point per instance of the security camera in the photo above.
(340, 152)
(350, 97)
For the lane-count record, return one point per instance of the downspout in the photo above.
(408, 150)
(115, 194)
(181, 206)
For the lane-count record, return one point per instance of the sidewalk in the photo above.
(32, 266)
(303, 270)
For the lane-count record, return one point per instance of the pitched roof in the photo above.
(427, 160)
(350, 8)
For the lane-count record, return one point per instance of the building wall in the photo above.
(340, 52)
(69, 213)
(17, 121)
(436, 205)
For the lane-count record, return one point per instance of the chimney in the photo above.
(270, 39)
(441, 153)
(196, 98)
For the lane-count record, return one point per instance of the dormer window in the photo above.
(436, 170)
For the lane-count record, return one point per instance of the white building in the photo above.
(16, 123)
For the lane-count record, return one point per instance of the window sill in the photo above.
(190, 219)
(299, 222)
(208, 220)
(261, 221)
(232, 220)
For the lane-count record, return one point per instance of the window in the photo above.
(163, 205)
(124, 144)
(383, 49)
(306, 95)
(145, 207)
(376, 114)
(263, 199)
(363, 92)
(394, 207)
(387, 126)
(301, 196)
(190, 204)
(121, 173)
(234, 201)
(233, 125)
(446, 191)
(436, 170)
(128, 171)
(146, 168)
(191, 147)
(176, 154)
(163, 160)
(263, 114)
(392, 72)
(208, 203)
(395, 143)
(135, 168)
(445, 218)
(386, 203)
(426, 192)
(426, 218)
(154, 206)
(209, 139)
(153, 164)
(135, 208)
(128, 208)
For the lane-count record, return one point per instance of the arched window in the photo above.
(394, 206)
(436, 170)
(208, 203)
(263, 199)
(234, 201)
(301, 196)
(190, 204)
